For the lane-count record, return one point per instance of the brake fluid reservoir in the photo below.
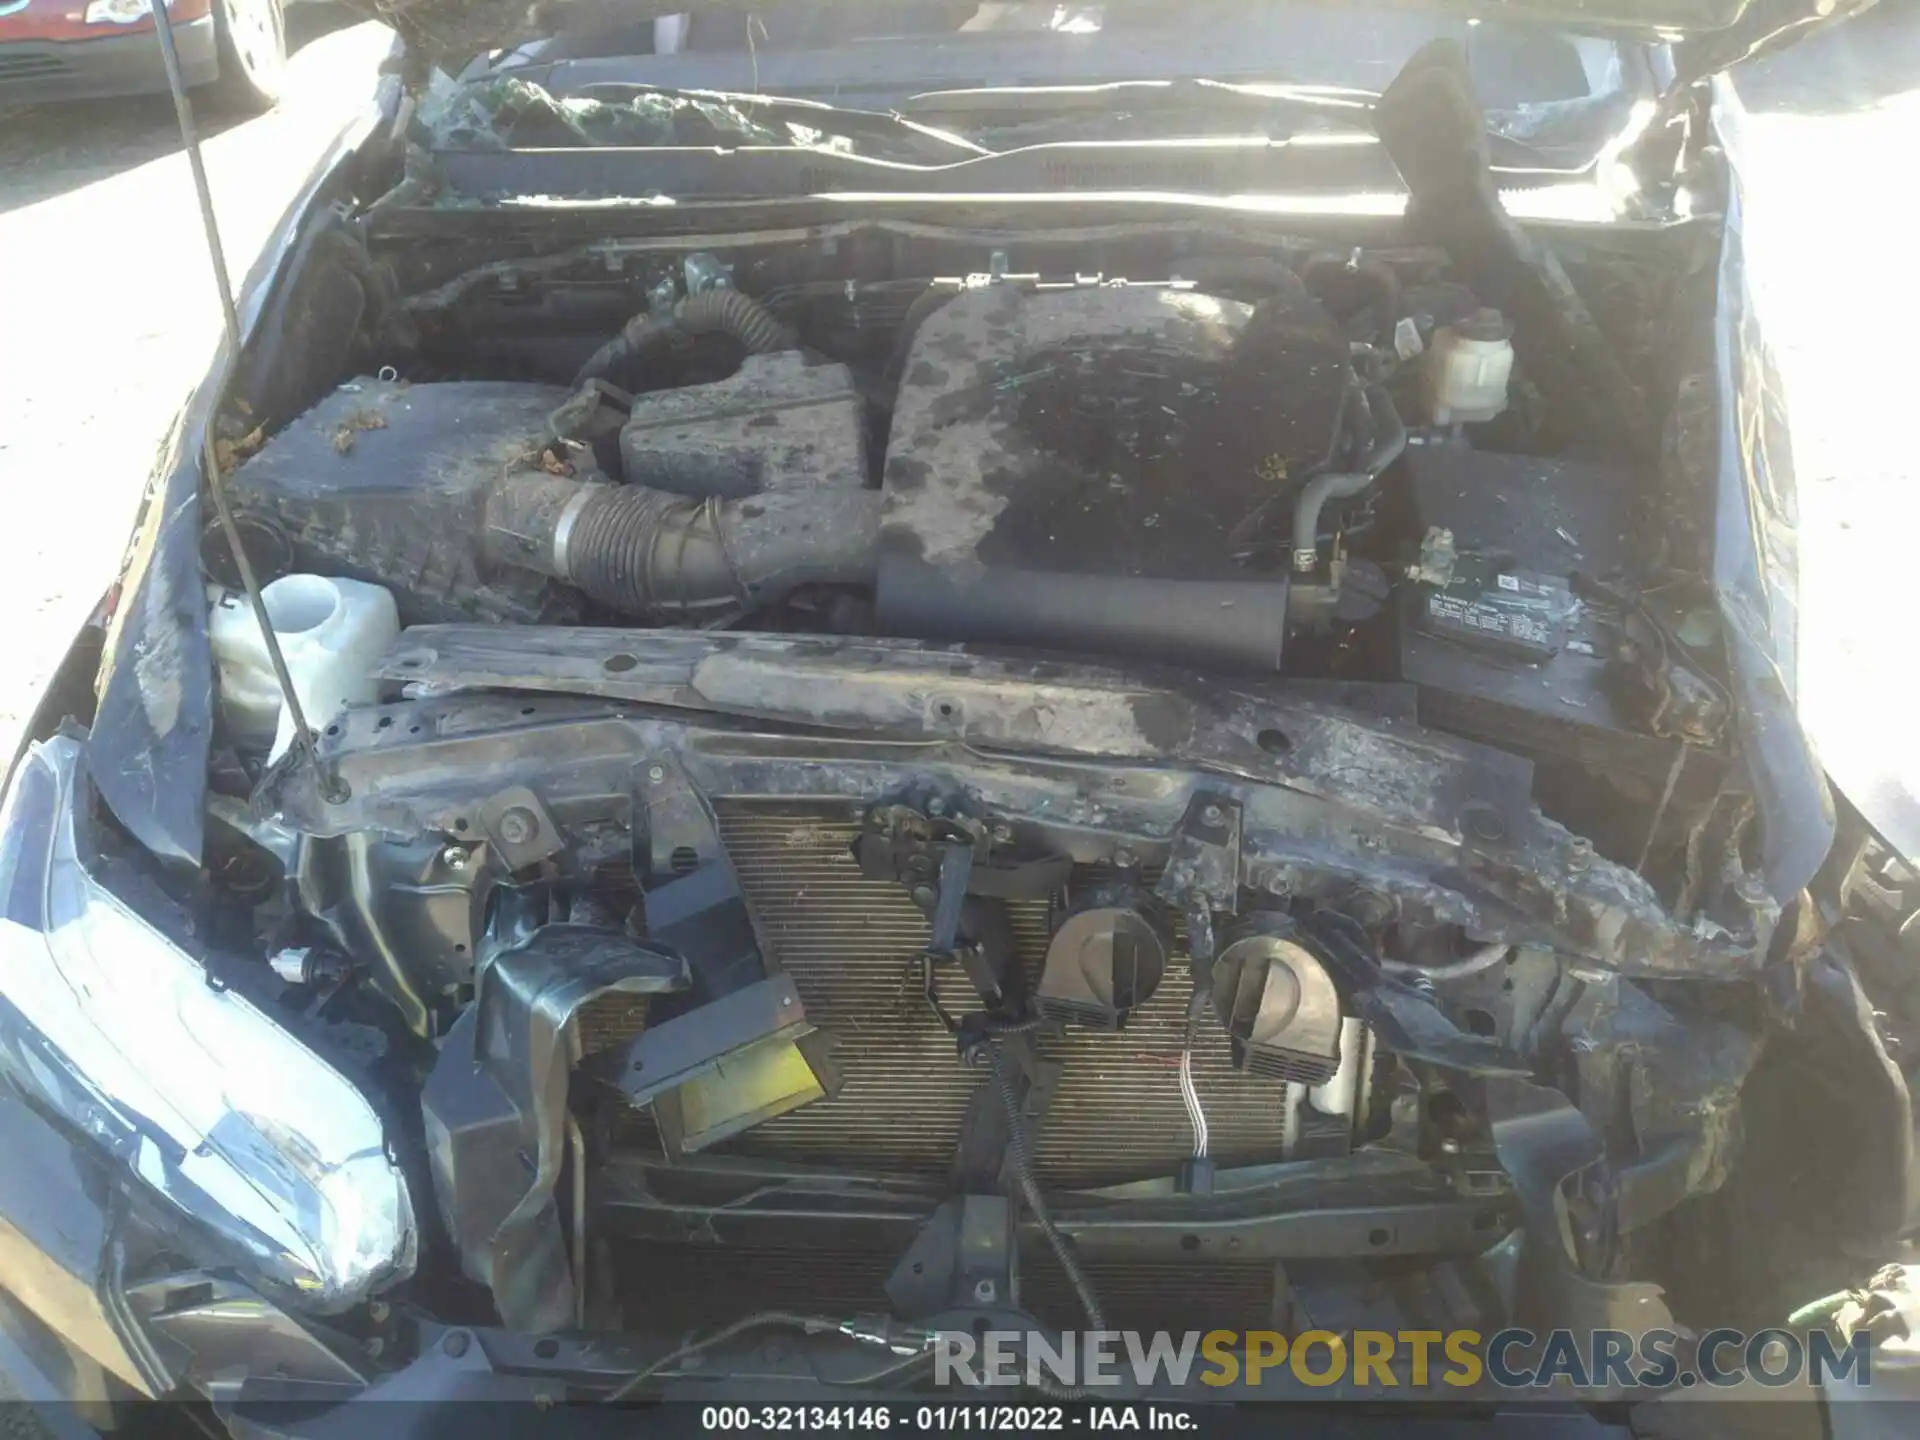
(1467, 368)
(332, 633)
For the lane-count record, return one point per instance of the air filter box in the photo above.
(387, 482)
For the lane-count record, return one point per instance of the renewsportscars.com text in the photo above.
(1385, 1360)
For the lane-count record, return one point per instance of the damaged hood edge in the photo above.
(1707, 35)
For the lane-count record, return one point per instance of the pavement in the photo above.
(110, 317)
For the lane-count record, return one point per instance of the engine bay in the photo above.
(1170, 776)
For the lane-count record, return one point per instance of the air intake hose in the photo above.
(723, 312)
(666, 557)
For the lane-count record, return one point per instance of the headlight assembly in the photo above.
(211, 1103)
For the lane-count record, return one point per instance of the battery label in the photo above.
(1512, 612)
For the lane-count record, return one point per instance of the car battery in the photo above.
(1505, 652)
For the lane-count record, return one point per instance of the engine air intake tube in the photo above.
(723, 312)
(647, 553)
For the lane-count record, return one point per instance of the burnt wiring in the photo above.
(1656, 658)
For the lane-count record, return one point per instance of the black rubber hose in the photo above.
(1020, 1159)
(641, 335)
(735, 313)
(723, 312)
(1390, 438)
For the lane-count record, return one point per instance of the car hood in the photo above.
(1709, 34)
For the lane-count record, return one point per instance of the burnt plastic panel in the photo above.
(386, 482)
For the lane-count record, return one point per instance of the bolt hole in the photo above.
(1379, 1237)
(332, 730)
(944, 709)
(412, 662)
(1506, 984)
(1189, 1242)
(459, 949)
(528, 709)
(386, 722)
(1274, 742)
(413, 730)
(919, 1268)
(1480, 1022)
(618, 664)
(460, 823)
(684, 860)
(546, 1349)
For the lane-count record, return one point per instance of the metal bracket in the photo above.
(764, 1019)
(980, 1154)
(945, 860)
(905, 841)
(695, 906)
(1205, 861)
(964, 1258)
(520, 829)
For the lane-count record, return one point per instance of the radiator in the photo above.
(848, 942)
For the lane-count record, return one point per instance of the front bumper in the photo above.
(34, 71)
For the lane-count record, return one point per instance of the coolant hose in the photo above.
(1390, 438)
(723, 312)
(647, 553)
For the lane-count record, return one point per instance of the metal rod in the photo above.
(209, 458)
(577, 1148)
(183, 113)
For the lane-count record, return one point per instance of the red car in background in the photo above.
(84, 49)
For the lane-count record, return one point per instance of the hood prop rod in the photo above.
(303, 737)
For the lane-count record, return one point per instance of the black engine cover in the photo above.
(1111, 431)
(1088, 470)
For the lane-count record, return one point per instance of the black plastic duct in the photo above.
(1225, 624)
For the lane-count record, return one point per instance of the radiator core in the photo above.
(849, 943)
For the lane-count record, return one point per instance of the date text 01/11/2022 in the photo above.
(941, 1419)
